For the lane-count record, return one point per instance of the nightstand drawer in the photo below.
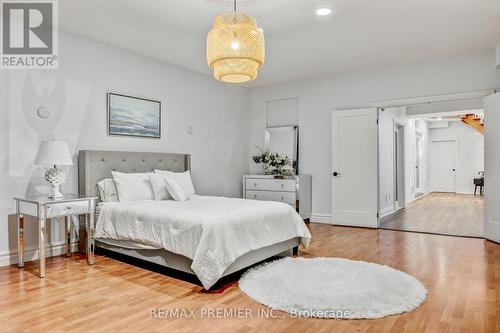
(287, 185)
(67, 208)
(286, 197)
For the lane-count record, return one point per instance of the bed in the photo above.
(209, 237)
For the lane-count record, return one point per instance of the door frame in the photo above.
(420, 189)
(399, 169)
(491, 193)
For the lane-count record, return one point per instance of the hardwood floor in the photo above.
(462, 276)
(441, 213)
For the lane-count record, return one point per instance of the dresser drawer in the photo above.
(286, 197)
(270, 184)
(67, 208)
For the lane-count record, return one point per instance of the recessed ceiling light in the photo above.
(324, 11)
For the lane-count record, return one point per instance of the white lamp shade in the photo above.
(53, 153)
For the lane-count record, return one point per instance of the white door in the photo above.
(492, 167)
(443, 163)
(355, 167)
(418, 166)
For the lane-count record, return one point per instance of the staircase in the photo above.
(475, 121)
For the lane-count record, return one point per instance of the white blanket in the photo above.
(212, 231)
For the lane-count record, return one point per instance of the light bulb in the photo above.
(324, 11)
(235, 45)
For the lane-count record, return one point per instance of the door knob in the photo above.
(335, 174)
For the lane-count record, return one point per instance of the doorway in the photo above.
(441, 104)
(399, 168)
(437, 161)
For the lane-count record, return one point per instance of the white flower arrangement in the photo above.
(274, 163)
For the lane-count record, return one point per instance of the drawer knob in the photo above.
(282, 198)
(282, 185)
(255, 184)
(69, 207)
(255, 195)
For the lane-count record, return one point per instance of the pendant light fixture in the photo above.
(235, 47)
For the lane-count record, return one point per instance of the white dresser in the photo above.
(293, 190)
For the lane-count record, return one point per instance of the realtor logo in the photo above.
(29, 34)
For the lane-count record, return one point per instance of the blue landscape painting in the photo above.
(133, 116)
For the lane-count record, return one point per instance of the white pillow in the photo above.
(133, 186)
(175, 189)
(158, 186)
(107, 190)
(183, 178)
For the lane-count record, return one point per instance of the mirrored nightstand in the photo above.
(43, 208)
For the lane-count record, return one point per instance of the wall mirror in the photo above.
(284, 140)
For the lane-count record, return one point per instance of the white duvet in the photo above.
(212, 231)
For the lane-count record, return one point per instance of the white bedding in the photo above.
(212, 231)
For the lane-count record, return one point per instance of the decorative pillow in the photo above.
(175, 189)
(158, 186)
(107, 190)
(183, 178)
(133, 186)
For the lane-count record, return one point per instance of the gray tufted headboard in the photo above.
(96, 165)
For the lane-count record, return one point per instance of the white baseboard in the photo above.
(386, 211)
(30, 254)
(458, 190)
(321, 218)
(410, 199)
(466, 191)
(443, 190)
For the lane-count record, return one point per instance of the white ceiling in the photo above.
(360, 33)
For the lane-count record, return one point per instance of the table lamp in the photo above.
(54, 153)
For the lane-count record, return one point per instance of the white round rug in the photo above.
(332, 288)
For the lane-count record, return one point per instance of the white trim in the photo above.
(497, 57)
(30, 254)
(466, 191)
(321, 218)
(443, 190)
(386, 211)
(433, 99)
(443, 114)
(421, 195)
(410, 198)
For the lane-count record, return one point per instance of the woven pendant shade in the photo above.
(235, 48)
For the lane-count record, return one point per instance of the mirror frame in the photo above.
(295, 157)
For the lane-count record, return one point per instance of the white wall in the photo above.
(387, 120)
(470, 157)
(319, 96)
(76, 96)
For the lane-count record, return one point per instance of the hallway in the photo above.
(441, 213)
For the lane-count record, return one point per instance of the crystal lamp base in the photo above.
(55, 177)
